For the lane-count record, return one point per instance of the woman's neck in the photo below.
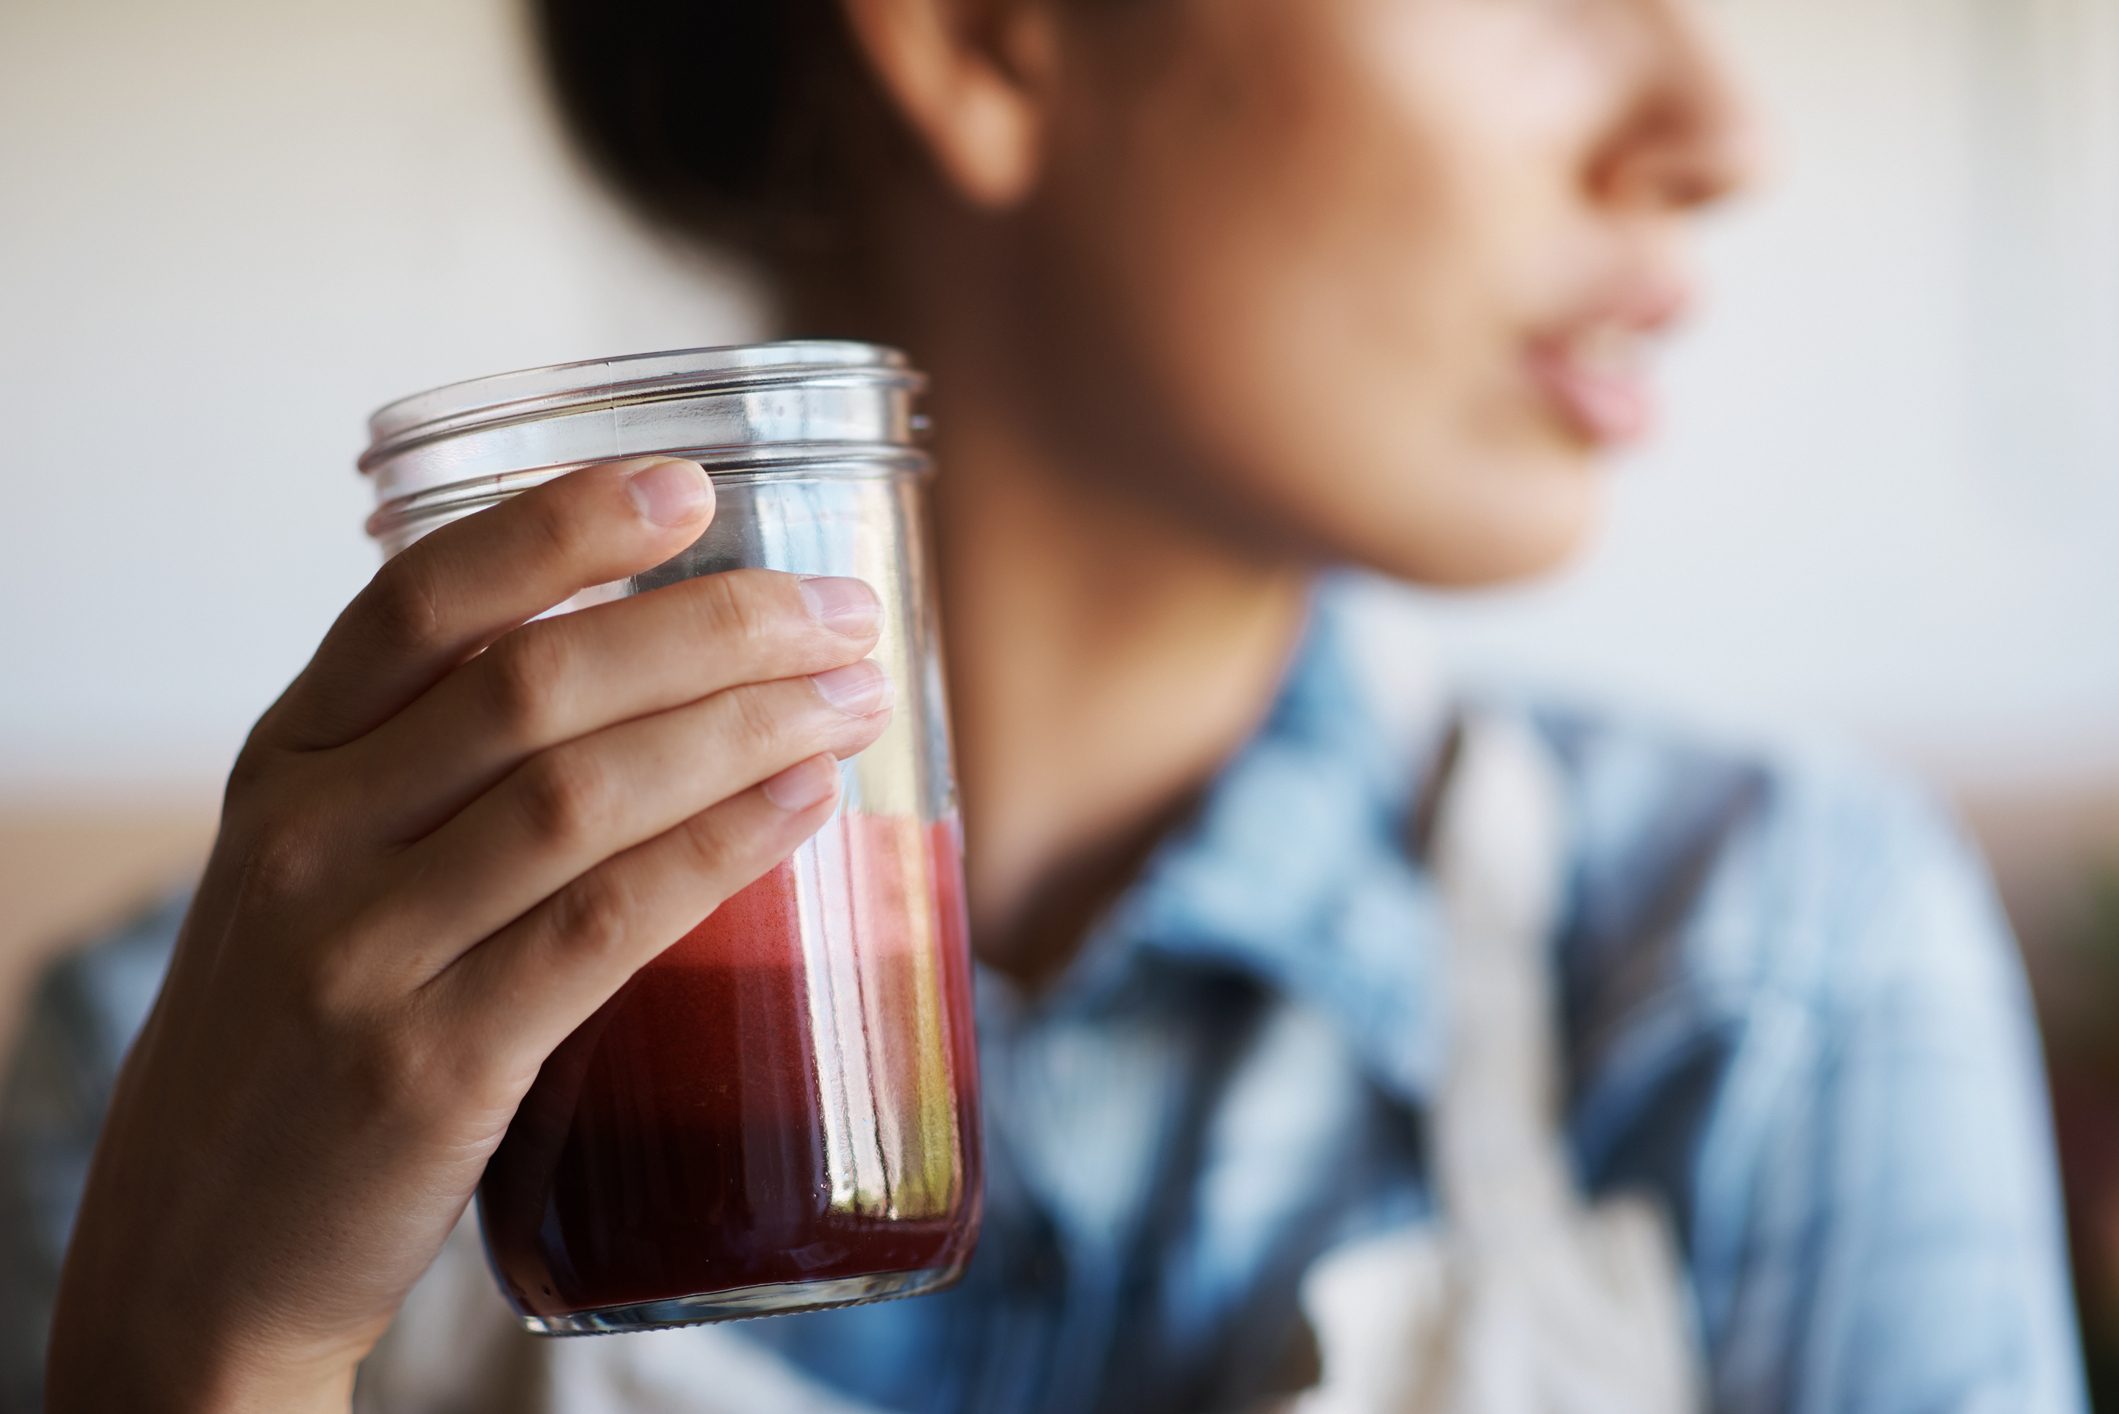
(1103, 663)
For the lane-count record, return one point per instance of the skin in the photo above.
(1292, 270)
(432, 866)
(1301, 290)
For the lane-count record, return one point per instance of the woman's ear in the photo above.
(971, 78)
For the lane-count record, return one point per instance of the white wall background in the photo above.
(230, 227)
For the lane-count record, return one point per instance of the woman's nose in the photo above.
(1689, 135)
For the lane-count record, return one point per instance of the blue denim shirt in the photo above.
(1791, 1011)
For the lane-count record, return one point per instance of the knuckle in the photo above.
(556, 523)
(522, 675)
(566, 796)
(760, 724)
(740, 608)
(390, 1071)
(709, 849)
(331, 983)
(279, 862)
(401, 1071)
(591, 918)
(329, 992)
(403, 607)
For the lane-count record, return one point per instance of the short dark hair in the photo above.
(753, 125)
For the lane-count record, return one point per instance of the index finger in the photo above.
(458, 589)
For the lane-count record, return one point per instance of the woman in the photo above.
(1215, 294)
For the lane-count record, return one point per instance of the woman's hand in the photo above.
(460, 830)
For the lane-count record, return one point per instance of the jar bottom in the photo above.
(771, 1299)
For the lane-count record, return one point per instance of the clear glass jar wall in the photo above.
(779, 1112)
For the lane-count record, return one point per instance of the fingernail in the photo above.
(803, 785)
(671, 493)
(858, 689)
(846, 606)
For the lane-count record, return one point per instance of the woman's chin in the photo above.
(1507, 524)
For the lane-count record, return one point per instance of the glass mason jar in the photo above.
(780, 1112)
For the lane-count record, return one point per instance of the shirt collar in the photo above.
(1295, 870)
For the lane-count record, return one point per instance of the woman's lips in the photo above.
(1594, 367)
(1598, 380)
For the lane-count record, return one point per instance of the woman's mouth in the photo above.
(1595, 368)
(1598, 378)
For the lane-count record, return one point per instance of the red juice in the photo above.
(787, 1097)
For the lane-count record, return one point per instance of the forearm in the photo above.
(138, 1325)
(119, 1365)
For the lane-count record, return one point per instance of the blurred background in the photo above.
(1887, 509)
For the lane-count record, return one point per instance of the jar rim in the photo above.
(588, 384)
